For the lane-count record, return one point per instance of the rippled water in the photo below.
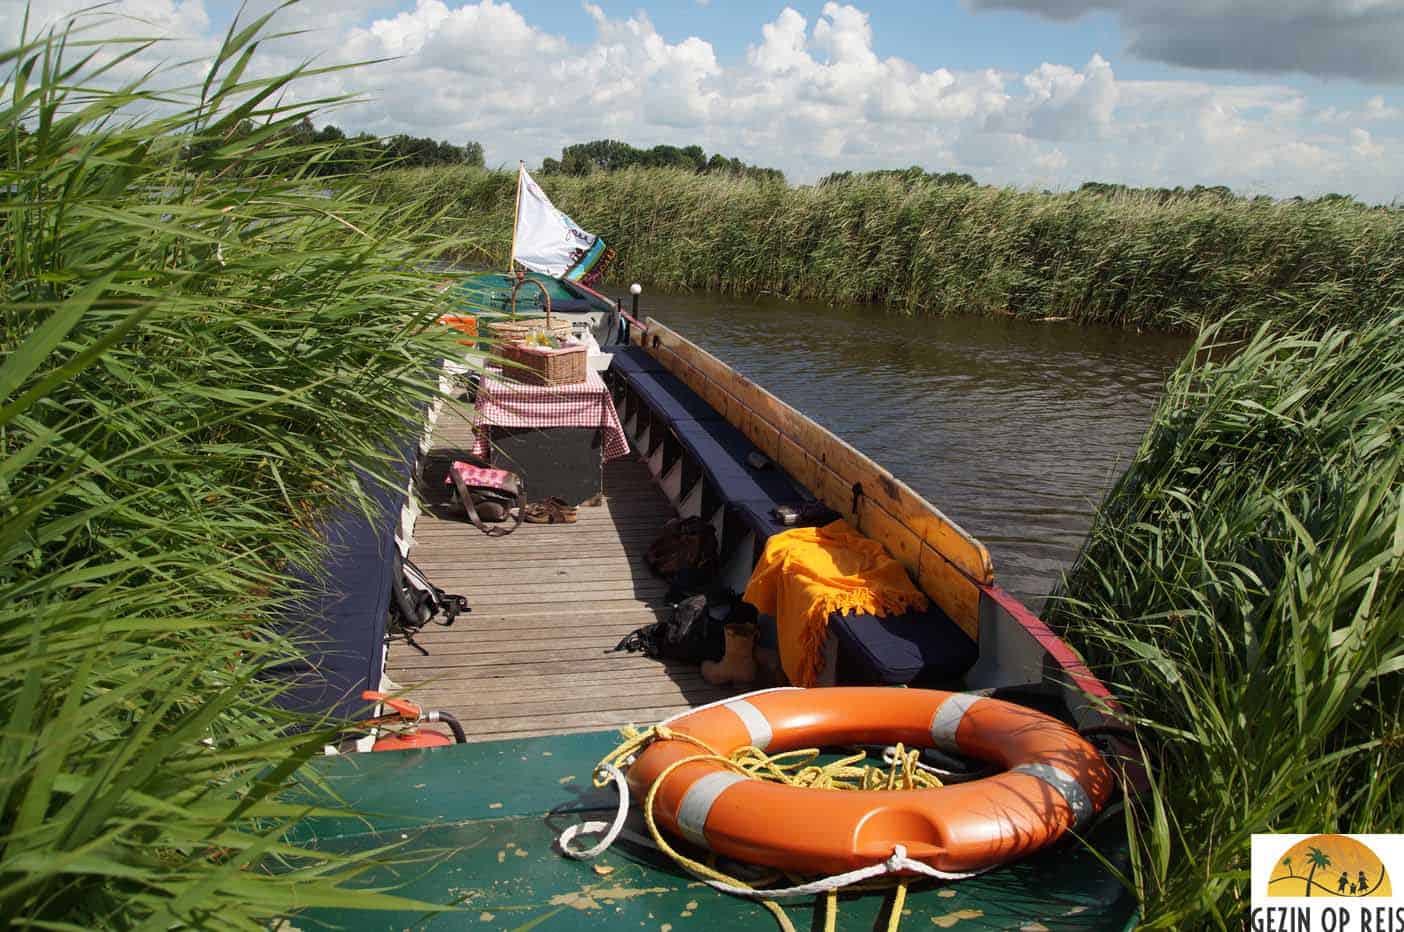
(1013, 429)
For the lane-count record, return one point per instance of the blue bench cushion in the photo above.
(721, 451)
(632, 359)
(668, 395)
(915, 647)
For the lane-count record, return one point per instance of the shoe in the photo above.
(738, 665)
(562, 512)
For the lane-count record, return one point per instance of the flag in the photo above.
(545, 240)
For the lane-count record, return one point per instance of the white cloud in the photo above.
(808, 96)
(1363, 146)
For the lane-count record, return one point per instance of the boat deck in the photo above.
(549, 602)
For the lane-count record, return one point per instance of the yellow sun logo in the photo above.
(1328, 865)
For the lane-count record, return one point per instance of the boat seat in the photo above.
(721, 450)
(914, 648)
(633, 359)
(670, 397)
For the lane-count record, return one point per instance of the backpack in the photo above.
(685, 554)
(415, 601)
(486, 494)
(694, 632)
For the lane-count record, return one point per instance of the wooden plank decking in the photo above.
(548, 601)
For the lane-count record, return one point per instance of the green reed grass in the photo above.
(199, 359)
(1242, 594)
(1128, 260)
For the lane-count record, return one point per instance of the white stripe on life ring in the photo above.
(697, 803)
(757, 725)
(1066, 784)
(948, 718)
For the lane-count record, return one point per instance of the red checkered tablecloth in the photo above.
(503, 403)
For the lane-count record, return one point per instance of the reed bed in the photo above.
(1242, 594)
(197, 360)
(922, 247)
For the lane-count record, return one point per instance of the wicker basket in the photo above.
(540, 365)
(514, 329)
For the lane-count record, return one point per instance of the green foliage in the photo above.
(1241, 592)
(927, 246)
(913, 175)
(197, 359)
(608, 155)
(1218, 191)
(287, 150)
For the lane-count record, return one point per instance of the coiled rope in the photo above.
(903, 771)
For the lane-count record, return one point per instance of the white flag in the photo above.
(546, 240)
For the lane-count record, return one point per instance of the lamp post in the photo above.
(636, 289)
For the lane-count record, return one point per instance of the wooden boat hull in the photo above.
(491, 810)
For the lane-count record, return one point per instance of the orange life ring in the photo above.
(1053, 781)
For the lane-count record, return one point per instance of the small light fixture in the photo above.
(636, 289)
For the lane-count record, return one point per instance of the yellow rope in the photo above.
(899, 900)
(793, 768)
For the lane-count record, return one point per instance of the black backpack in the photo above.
(415, 602)
(694, 632)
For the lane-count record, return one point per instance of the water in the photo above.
(1013, 429)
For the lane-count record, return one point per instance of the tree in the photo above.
(613, 155)
(1317, 858)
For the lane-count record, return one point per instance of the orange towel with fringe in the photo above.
(808, 572)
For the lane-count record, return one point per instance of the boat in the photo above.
(540, 693)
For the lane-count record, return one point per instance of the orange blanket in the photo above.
(806, 573)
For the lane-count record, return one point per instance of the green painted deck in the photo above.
(487, 815)
(549, 601)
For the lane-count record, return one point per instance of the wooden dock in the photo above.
(548, 603)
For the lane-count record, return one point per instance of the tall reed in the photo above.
(199, 359)
(926, 248)
(1242, 594)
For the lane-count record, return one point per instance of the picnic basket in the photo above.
(543, 365)
(519, 329)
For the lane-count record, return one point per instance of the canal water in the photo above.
(1013, 429)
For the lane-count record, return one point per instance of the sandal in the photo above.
(562, 512)
(551, 511)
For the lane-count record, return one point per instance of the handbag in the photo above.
(487, 494)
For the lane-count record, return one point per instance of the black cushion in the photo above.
(631, 359)
(915, 647)
(668, 395)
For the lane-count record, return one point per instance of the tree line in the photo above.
(286, 151)
(911, 175)
(611, 155)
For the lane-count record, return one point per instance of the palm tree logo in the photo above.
(1317, 858)
(1361, 871)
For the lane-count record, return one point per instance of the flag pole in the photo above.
(516, 215)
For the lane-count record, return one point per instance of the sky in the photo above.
(1277, 97)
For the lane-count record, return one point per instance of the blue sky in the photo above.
(1269, 96)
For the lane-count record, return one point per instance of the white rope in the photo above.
(897, 862)
(889, 757)
(611, 830)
